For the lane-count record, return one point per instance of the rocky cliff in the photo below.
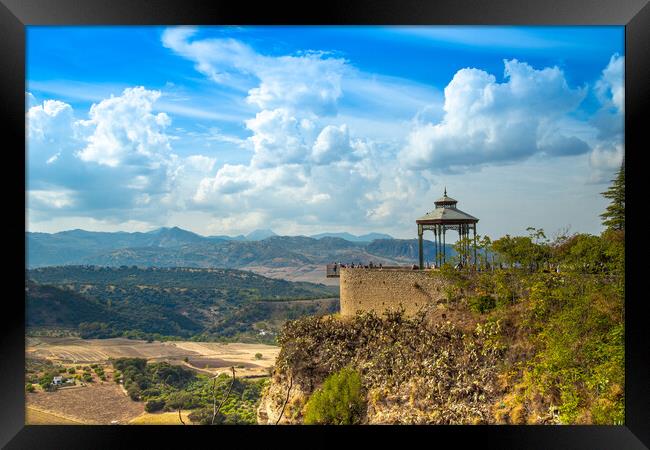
(414, 370)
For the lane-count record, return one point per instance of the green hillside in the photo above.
(202, 304)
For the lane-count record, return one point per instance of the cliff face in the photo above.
(274, 400)
(414, 370)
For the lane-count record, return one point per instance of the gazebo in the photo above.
(445, 217)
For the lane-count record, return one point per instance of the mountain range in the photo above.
(175, 247)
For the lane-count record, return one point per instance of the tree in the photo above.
(154, 405)
(463, 248)
(180, 400)
(485, 244)
(614, 215)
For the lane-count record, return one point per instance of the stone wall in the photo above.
(381, 290)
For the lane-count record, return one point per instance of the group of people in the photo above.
(370, 265)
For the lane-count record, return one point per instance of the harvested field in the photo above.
(94, 404)
(77, 350)
(218, 356)
(164, 418)
(34, 416)
(214, 363)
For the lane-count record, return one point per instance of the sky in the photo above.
(303, 130)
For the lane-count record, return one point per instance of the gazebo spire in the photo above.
(445, 191)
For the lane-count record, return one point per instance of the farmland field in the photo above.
(218, 357)
(164, 418)
(35, 416)
(94, 404)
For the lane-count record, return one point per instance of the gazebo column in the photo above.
(420, 232)
(435, 245)
(444, 247)
(438, 241)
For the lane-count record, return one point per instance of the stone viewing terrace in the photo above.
(375, 287)
(390, 288)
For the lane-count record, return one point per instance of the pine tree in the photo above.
(614, 215)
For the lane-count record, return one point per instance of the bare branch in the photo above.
(214, 399)
(226, 397)
(287, 399)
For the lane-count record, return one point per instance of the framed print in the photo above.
(406, 219)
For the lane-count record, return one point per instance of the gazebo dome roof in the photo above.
(445, 199)
(446, 212)
(447, 215)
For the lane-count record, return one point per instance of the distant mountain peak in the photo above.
(258, 235)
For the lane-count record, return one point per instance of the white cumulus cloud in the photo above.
(310, 81)
(124, 129)
(611, 85)
(486, 121)
(50, 198)
(607, 155)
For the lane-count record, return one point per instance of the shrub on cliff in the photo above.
(482, 303)
(340, 401)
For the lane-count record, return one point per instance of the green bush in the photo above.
(29, 387)
(71, 370)
(482, 303)
(340, 401)
(154, 405)
(134, 393)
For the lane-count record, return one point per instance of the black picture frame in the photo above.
(16, 14)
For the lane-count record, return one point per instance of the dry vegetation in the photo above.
(414, 371)
(163, 418)
(35, 416)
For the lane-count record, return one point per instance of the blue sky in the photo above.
(222, 130)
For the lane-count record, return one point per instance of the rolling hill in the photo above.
(204, 304)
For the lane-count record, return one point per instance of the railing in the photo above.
(332, 271)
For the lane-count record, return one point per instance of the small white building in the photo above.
(57, 381)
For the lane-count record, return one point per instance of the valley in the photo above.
(169, 303)
(102, 400)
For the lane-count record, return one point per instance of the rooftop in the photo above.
(447, 214)
(446, 211)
